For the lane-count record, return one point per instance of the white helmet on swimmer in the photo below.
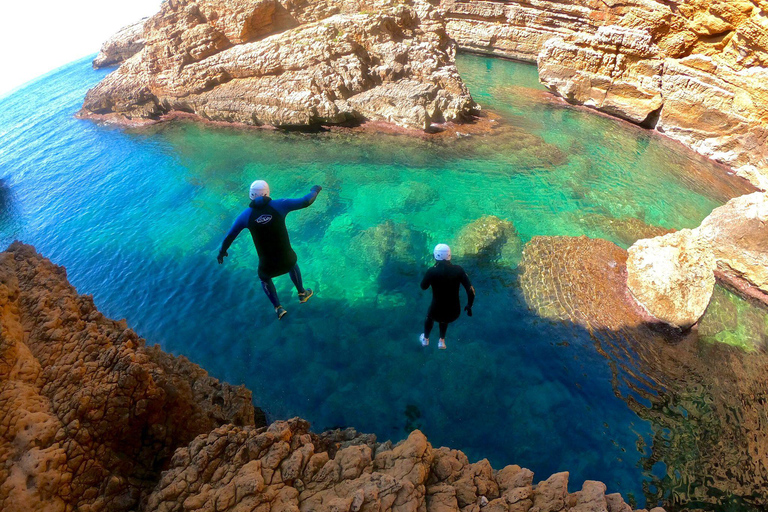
(442, 252)
(259, 188)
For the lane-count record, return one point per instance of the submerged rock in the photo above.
(284, 63)
(122, 46)
(488, 238)
(391, 244)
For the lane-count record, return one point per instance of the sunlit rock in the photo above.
(126, 43)
(263, 62)
(672, 276)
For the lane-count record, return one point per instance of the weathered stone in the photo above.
(325, 62)
(126, 43)
(672, 276)
(551, 494)
(89, 414)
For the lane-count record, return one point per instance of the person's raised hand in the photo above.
(468, 310)
(317, 188)
(220, 257)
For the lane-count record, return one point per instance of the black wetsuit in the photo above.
(445, 279)
(265, 219)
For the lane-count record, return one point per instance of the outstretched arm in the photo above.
(426, 281)
(240, 224)
(289, 205)
(470, 293)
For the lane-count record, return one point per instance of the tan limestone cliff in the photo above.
(694, 70)
(290, 63)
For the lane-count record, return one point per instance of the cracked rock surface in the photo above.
(290, 63)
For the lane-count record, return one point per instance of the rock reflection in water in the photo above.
(703, 393)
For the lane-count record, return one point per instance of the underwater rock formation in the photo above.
(694, 70)
(287, 63)
(92, 419)
(90, 415)
(702, 393)
(126, 43)
(488, 238)
(673, 276)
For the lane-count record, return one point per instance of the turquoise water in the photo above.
(137, 216)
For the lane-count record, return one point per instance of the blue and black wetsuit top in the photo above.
(445, 279)
(265, 219)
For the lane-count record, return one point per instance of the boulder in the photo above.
(265, 62)
(672, 276)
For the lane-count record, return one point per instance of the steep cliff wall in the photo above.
(694, 70)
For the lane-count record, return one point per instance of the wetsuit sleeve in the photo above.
(289, 205)
(427, 280)
(469, 288)
(240, 224)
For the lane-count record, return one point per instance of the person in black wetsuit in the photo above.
(445, 278)
(265, 219)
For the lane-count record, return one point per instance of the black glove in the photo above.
(468, 310)
(220, 257)
(317, 188)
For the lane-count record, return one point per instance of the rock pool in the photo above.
(136, 216)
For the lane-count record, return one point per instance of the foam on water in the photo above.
(137, 216)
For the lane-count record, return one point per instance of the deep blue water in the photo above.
(136, 217)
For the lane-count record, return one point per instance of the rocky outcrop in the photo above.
(287, 63)
(126, 43)
(693, 70)
(90, 415)
(280, 468)
(92, 419)
(673, 276)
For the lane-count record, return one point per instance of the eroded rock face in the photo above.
(488, 238)
(325, 62)
(282, 468)
(695, 70)
(89, 414)
(673, 276)
(122, 46)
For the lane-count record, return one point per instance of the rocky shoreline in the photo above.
(93, 419)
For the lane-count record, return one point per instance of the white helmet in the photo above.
(442, 252)
(259, 188)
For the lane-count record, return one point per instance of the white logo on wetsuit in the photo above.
(264, 219)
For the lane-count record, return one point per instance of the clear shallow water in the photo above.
(137, 216)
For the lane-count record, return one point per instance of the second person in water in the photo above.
(265, 219)
(445, 279)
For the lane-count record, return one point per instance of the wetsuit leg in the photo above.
(443, 329)
(269, 289)
(295, 274)
(428, 324)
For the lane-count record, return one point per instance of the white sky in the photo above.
(37, 36)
